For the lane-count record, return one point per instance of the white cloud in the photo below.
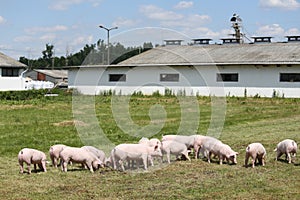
(56, 28)
(156, 13)
(172, 19)
(82, 40)
(2, 20)
(292, 31)
(24, 39)
(201, 33)
(61, 5)
(122, 22)
(282, 4)
(191, 21)
(184, 5)
(196, 19)
(270, 30)
(48, 37)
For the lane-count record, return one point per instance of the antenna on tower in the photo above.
(236, 24)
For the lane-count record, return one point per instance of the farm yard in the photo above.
(42, 122)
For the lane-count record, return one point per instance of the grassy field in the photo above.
(43, 122)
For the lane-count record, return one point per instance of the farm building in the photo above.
(11, 74)
(262, 68)
(54, 76)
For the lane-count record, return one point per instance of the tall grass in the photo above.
(39, 123)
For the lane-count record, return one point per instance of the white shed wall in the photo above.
(12, 83)
(201, 80)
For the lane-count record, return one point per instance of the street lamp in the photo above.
(108, 29)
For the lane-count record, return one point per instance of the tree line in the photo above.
(90, 54)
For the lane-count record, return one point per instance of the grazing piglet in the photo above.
(207, 146)
(54, 153)
(287, 147)
(175, 148)
(257, 152)
(97, 152)
(223, 151)
(32, 156)
(79, 155)
(190, 141)
(133, 152)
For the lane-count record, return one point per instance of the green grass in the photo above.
(42, 122)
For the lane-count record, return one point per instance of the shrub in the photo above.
(22, 95)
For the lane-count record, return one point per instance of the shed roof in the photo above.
(6, 61)
(234, 54)
(53, 73)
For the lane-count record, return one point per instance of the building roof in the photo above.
(229, 54)
(53, 73)
(6, 61)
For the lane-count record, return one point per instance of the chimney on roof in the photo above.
(294, 38)
(173, 42)
(203, 41)
(262, 39)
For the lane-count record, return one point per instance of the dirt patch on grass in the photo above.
(70, 123)
(15, 107)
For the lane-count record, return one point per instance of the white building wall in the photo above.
(12, 83)
(198, 80)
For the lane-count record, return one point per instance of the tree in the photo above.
(89, 55)
(48, 55)
(147, 45)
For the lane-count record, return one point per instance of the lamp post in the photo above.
(108, 30)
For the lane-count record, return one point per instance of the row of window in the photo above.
(10, 72)
(163, 77)
(221, 77)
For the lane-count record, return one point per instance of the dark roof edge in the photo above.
(186, 64)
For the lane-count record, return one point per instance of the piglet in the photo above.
(79, 155)
(32, 156)
(54, 153)
(172, 147)
(287, 147)
(257, 152)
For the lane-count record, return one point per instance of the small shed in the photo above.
(54, 76)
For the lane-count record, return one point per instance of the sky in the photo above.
(27, 26)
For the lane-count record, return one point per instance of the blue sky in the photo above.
(27, 26)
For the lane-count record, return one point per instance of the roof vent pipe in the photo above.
(294, 38)
(201, 41)
(173, 42)
(231, 41)
(262, 39)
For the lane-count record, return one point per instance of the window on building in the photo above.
(289, 77)
(169, 77)
(117, 77)
(10, 72)
(228, 77)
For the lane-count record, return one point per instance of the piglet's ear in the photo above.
(236, 153)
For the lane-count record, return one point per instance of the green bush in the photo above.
(30, 94)
(22, 95)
